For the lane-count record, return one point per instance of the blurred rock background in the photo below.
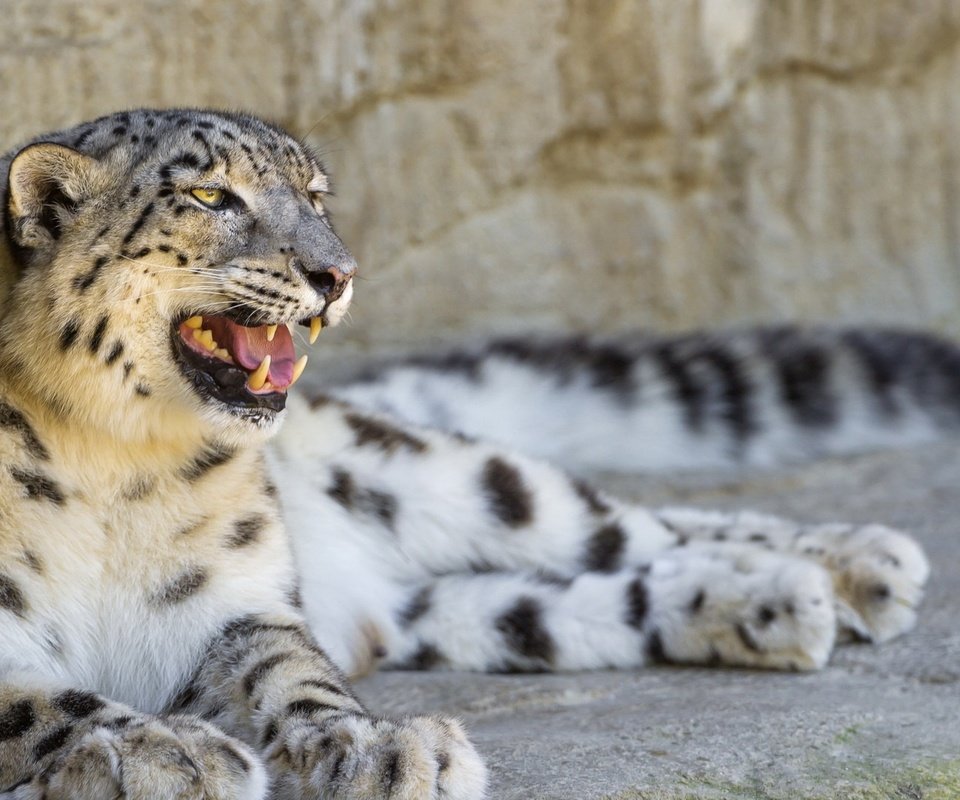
(567, 164)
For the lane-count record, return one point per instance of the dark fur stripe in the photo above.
(115, 352)
(325, 685)
(38, 486)
(212, 456)
(11, 418)
(247, 530)
(387, 437)
(638, 603)
(507, 493)
(524, 633)
(69, 333)
(259, 671)
(77, 704)
(97, 338)
(52, 742)
(307, 705)
(85, 280)
(17, 719)
(138, 224)
(183, 586)
(803, 375)
(605, 549)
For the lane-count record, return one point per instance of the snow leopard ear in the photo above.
(47, 184)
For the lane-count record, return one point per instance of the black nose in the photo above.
(328, 282)
(323, 283)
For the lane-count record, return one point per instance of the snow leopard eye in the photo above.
(211, 198)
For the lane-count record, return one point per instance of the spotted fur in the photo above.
(161, 632)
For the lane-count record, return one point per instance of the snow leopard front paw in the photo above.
(352, 757)
(174, 758)
(878, 575)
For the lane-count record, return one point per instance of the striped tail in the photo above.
(752, 397)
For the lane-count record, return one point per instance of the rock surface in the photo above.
(568, 164)
(879, 723)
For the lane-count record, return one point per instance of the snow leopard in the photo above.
(193, 558)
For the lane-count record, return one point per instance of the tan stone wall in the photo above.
(584, 164)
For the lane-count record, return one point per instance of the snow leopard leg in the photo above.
(265, 679)
(737, 606)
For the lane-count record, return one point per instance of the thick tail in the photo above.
(751, 397)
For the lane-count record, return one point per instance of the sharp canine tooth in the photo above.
(194, 322)
(315, 325)
(271, 332)
(259, 376)
(206, 339)
(298, 368)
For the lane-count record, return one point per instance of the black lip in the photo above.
(216, 381)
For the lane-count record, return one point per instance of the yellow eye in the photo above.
(212, 198)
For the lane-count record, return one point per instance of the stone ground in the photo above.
(878, 722)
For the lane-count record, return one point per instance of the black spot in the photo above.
(212, 456)
(590, 496)
(142, 390)
(524, 633)
(134, 191)
(127, 369)
(605, 549)
(14, 420)
(246, 530)
(115, 352)
(69, 334)
(638, 603)
(17, 719)
(655, 652)
(390, 770)
(418, 606)
(880, 592)
(77, 704)
(118, 723)
(38, 486)
(766, 615)
(259, 671)
(143, 251)
(426, 656)
(697, 603)
(96, 339)
(52, 741)
(509, 498)
(387, 437)
(757, 537)
(119, 130)
(343, 488)
(183, 586)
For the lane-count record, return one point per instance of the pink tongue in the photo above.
(250, 345)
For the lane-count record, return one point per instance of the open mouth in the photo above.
(245, 368)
